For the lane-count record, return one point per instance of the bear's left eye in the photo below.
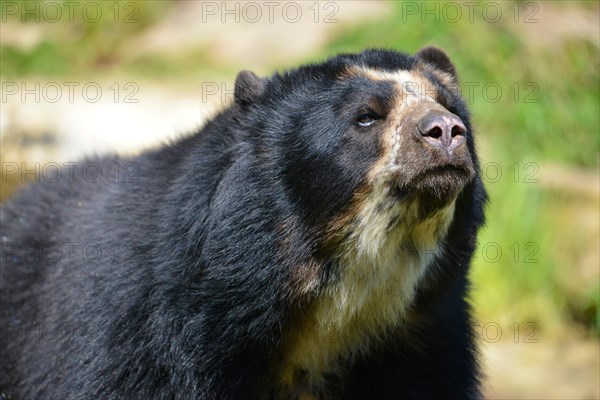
(367, 119)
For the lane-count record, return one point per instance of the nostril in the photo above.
(457, 130)
(435, 132)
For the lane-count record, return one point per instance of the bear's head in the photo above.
(378, 122)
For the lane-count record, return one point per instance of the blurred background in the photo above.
(87, 77)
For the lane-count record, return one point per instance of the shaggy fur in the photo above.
(305, 243)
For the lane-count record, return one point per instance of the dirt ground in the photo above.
(568, 369)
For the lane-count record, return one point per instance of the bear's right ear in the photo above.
(248, 87)
(438, 58)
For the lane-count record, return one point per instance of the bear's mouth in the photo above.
(442, 182)
(445, 181)
(448, 172)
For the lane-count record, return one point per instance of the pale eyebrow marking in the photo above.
(414, 85)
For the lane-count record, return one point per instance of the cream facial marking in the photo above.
(413, 86)
(380, 269)
(384, 250)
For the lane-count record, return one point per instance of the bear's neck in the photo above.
(386, 252)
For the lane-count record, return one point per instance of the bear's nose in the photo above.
(442, 130)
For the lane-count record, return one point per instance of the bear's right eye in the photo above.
(367, 119)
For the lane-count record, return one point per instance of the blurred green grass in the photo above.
(92, 43)
(552, 119)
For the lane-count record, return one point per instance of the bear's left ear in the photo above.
(436, 57)
(248, 87)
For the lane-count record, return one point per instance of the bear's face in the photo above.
(377, 121)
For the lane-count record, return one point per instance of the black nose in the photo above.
(443, 130)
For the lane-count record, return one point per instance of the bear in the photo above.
(311, 241)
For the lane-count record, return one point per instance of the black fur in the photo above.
(192, 291)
